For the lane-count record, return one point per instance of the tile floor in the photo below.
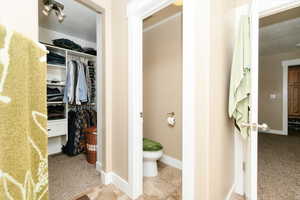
(237, 197)
(166, 186)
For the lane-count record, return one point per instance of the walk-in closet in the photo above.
(71, 31)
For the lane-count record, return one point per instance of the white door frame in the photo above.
(100, 24)
(259, 9)
(137, 11)
(285, 65)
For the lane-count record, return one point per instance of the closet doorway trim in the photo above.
(137, 11)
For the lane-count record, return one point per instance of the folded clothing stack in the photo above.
(69, 44)
(54, 94)
(90, 51)
(55, 58)
(56, 112)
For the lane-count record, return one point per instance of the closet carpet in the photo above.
(70, 176)
(166, 186)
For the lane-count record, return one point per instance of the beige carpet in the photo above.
(70, 176)
(166, 186)
(278, 167)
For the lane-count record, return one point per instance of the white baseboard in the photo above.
(171, 162)
(112, 178)
(106, 177)
(275, 132)
(98, 166)
(120, 183)
(230, 193)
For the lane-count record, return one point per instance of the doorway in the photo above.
(278, 100)
(137, 12)
(259, 10)
(75, 114)
(162, 103)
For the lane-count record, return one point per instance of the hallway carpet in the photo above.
(166, 186)
(70, 176)
(278, 167)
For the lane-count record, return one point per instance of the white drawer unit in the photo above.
(57, 128)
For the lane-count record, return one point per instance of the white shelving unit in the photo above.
(58, 128)
(56, 66)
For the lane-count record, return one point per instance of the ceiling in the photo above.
(80, 21)
(162, 14)
(280, 33)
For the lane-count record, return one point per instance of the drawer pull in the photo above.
(49, 129)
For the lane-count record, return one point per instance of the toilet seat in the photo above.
(152, 152)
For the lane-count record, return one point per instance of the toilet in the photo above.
(152, 151)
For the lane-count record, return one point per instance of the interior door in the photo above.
(251, 144)
(294, 91)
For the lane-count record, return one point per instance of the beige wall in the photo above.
(221, 128)
(161, 14)
(241, 2)
(162, 72)
(24, 19)
(120, 89)
(270, 82)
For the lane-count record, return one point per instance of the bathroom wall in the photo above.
(163, 84)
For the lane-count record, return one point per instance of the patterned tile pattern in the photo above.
(237, 197)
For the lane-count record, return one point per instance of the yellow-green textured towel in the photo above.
(23, 119)
(240, 85)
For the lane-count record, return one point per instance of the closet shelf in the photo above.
(56, 102)
(76, 53)
(56, 66)
(56, 84)
(84, 104)
(71, 52)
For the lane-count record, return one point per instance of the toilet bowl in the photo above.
(152, 152)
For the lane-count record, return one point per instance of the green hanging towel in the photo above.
(240, 84)
(23, 119)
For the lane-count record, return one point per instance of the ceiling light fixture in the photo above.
(50, 5)
(61, 16)
(178, 3)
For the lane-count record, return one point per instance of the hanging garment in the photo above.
(24, 137)
(240, 86)
(81, 87)
(72, 147)
(92, 82)
(70, 82)
(78, 120)
(76, 90)
(88, 81)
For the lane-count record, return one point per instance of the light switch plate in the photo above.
(272, 96)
